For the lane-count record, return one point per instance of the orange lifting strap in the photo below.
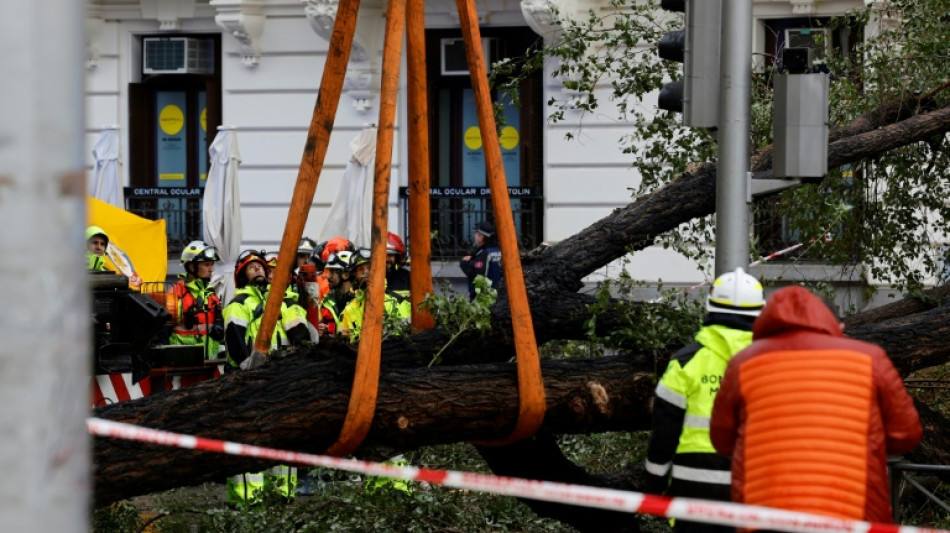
(365, 388)
(530, 385)
(359, 415)
(366, 380)
(315, 151)
(420, 275)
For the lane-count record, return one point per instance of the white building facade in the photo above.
(169, 72)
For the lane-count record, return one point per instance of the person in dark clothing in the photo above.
(485, 259)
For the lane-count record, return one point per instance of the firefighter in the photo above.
(242, 316)
(393, 309)
(681, 460)
(243, 319)
(96, 243)
(397, 274)
(332, 246)
(198, 318)
(304, 251)
(341, 292)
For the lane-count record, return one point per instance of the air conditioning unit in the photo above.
(452, 55)
(177, 55)
(816, 39)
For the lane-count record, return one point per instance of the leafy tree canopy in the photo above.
(887, 213)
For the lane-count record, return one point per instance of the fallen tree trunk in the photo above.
(298, 403)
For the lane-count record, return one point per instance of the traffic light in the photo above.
(697, 47)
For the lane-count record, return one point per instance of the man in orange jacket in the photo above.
(809, 416)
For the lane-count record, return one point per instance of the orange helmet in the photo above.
(334, 245)
(395, 246)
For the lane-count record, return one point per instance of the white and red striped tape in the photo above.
(118, 387)
(728, 514)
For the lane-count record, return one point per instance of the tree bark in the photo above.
(298, 403)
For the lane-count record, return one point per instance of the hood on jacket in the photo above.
(795, 309)
(92, 231)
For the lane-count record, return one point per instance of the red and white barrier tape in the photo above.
(727, 514)
(779, 253)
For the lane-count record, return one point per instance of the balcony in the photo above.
(180, 207)
(455, 211)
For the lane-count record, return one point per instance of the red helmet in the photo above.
(334, 245)
(247, 257)
(395, 246)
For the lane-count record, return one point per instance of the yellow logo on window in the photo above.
(171, 119)
(204, 119)
(473, 138)
(509, 138)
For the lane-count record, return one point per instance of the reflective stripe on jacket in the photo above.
(679, 445)
(242, 321)
(200, 307)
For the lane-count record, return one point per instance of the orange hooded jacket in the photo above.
(809, 416)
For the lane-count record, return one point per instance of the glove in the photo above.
(216, 333)
(255, 360)
(190, 320)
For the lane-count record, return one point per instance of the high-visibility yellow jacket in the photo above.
(393, 307)
(679, 445)
(242, 321)
(248, 489)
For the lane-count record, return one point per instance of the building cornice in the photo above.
(362, 80)
(243, 20)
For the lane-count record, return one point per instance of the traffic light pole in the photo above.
(732, 208)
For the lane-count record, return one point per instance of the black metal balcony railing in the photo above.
(179, 206)
(456, 211)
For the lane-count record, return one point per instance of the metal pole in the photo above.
(44, 322)
(732, 209)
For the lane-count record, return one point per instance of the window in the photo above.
(174, 112)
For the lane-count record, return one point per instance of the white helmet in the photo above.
(737, 293)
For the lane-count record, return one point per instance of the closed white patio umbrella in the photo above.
(221, 210)
(104, 184)
(350, 213)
